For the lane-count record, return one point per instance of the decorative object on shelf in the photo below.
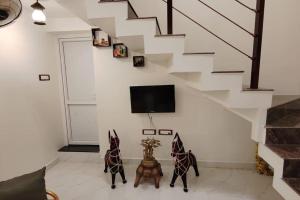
(100, 38)
(38, 15)
(149, 167)
(138, 61)
(44, 77)
(120, 50)
(149, 131)
(262, 167)
(113, 160)
(183, 161)
(165, 132)
(10, 10)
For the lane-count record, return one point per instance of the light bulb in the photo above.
(39, 17)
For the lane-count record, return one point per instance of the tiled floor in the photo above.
(85, 180)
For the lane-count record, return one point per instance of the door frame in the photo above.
(65, 101)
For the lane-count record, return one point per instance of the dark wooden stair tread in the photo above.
(247, 89)
(228, 72)
(142, 18)
(170, 35)
(294, 183)
(199, 53)
(286, 151)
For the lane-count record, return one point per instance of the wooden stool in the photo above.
(148, 169)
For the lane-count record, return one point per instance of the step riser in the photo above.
(105, 10)
(145, 27)
(283, 136)
(279, 112)
(291, 169)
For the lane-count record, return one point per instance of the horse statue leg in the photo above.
(194, 163)
(106, 161)
(183, 177)
(173, 179)
(113, 178)
(122, 173)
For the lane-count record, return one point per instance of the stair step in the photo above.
(288, 121)
(246, 89)
(293, 183)
(283, 136)
(291, 169)
(171, 35)
(285, 115)
(286, 151)
(228, 72)
(141, 18)
(199, 53)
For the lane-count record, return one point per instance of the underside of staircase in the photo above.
(196, 69)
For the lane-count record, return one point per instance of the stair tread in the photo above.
(171, 35)
(201, 53)
(294, 183)
(247, 89)
(286, 151)
(142, 18)
(228, 72)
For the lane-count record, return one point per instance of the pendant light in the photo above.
(38, 15)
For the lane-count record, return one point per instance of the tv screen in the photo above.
(152, 99)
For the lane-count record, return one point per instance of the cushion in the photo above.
(27, 187)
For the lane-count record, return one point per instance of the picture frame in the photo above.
(100, 38)
(168, 132)
(120, 50)
(138, 61)
(149, 132)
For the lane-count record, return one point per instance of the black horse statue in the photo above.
(112, 159)
(183, 161)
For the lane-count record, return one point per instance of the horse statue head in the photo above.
(177, 146)
(113, 141)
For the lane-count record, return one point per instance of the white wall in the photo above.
(213, 133)
(280, 64)
(30, 115)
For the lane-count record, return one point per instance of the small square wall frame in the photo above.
(100, 38)
(120, 50)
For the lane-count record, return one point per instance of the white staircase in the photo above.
(196, 69)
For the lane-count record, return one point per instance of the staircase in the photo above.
(196, 69)
(283, 140)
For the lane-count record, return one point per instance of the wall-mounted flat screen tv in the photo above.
(152, 99)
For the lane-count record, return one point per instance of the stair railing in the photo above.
(257, 35)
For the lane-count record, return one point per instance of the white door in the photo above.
(79, 91)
